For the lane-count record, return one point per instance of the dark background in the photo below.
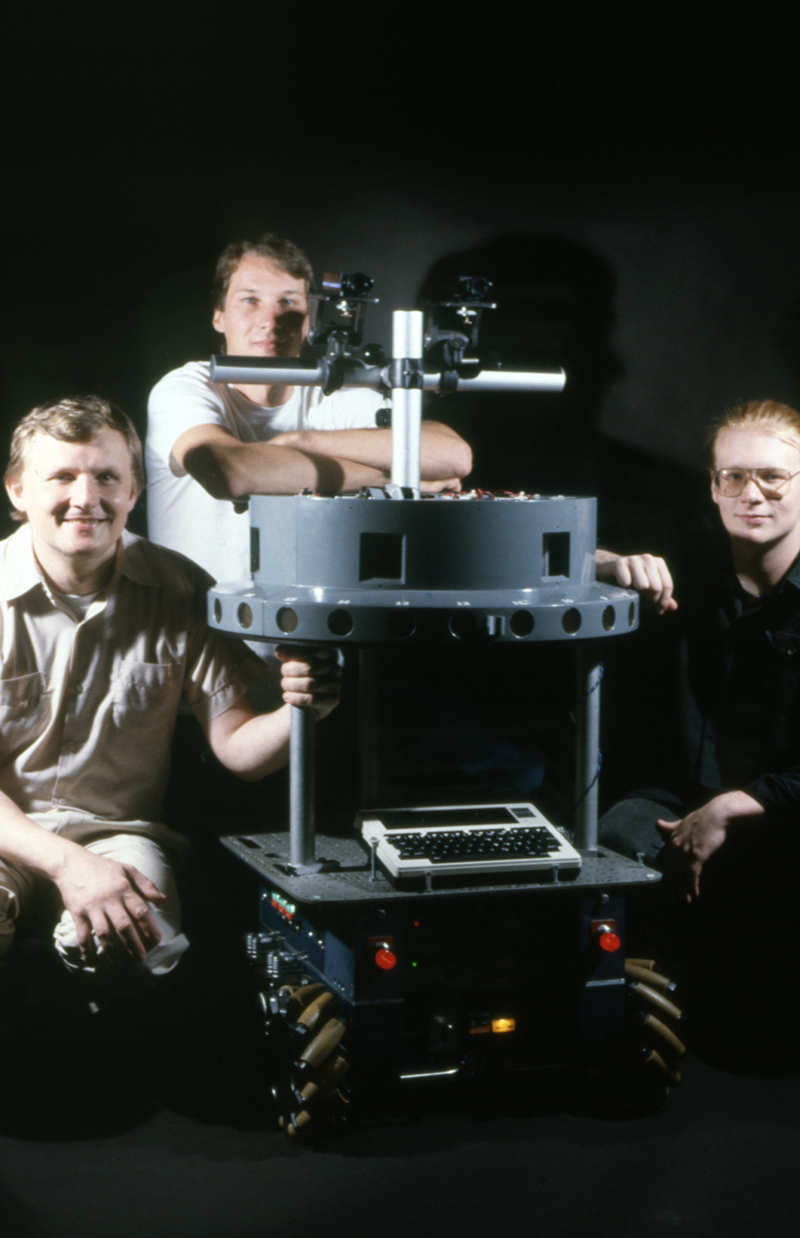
(628, 176)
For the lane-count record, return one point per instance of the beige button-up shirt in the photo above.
(87, 708)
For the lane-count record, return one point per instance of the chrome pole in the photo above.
(587, 747)
(407, 346)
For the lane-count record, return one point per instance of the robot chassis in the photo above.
(435, 977)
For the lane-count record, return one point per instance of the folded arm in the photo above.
(328, 461)
(443, 454)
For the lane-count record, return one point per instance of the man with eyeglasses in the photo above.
(721, 776)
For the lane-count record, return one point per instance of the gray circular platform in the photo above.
(371, 569)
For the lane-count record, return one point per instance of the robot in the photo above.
(439, 941)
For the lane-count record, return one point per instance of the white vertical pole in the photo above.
(407, 344)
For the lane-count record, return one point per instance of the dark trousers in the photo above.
(630, 829)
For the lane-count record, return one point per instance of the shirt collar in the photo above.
(133, 560)
(21, 571)
(792, 577)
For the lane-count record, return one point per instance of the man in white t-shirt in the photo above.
(208, 442)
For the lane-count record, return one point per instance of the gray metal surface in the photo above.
(587, 747)
(439, 543)
(268, 855)
(360, 569)
(320, 615)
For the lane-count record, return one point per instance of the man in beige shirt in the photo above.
(102, 640)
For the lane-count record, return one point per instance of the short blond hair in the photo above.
(767, 415)
(75, 419)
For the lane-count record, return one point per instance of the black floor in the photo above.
(173, 1135)
(721, 1159)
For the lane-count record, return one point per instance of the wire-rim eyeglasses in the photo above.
(771, 482)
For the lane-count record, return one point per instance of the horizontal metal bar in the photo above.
(294, 372)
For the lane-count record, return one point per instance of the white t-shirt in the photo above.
(184, 516)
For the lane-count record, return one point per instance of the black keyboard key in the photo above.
(449, 846)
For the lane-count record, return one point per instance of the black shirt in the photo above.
(714, 690)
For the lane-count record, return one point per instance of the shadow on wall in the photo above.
(787, 342)
(556, 309)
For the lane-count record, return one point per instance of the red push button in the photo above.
(605, 934)
(385, 959)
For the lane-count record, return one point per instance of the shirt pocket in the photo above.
(146, 694)
(25, 707)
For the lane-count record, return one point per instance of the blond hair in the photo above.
(766, 415)
(75, 419)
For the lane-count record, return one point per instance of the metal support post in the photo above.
(407, 347)
(301, 787)
(587, 747)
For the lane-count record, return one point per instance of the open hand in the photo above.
(691, 842)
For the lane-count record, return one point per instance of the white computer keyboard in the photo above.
(469, 839)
